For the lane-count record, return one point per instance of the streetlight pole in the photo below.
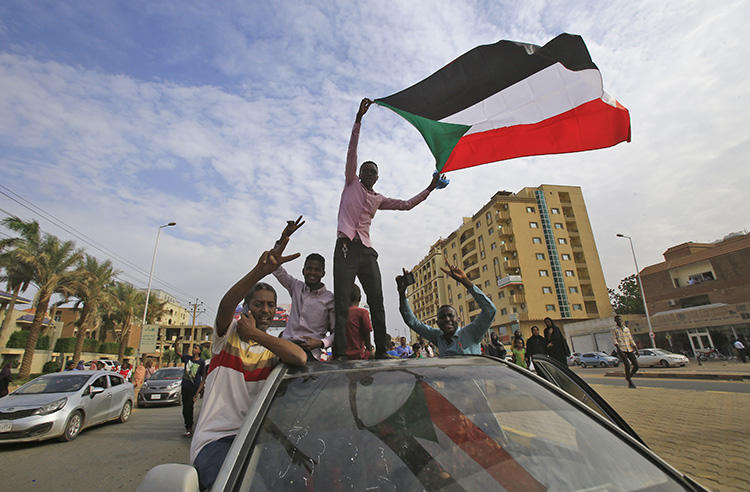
(643, 293)
(150, 277)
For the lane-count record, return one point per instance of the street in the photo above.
(109, 457)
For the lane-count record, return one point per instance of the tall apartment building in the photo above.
(534, 254)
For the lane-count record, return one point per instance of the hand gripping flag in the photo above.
(511, 99)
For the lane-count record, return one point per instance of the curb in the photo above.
(683, 375)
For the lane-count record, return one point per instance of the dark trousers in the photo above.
(352, 259)
(628, 359)
(209, 461)
(188, 392)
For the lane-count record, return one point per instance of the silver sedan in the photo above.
(660, 357)
(62, 404)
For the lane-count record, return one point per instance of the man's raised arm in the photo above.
(351, 155)
(396, 204)
(431, 334)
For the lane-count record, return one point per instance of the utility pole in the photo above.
(198, 308)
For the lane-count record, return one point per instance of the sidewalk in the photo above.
(703, 434)
(730, 370)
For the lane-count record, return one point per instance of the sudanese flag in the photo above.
(512, 99)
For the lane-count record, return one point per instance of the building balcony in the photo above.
(469, 234)
(506, 230)
(508, 264)
(503, 214)
(517, 299)
(507, 248)
(468, 248)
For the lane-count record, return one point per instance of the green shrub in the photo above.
(129, 350)
(109, 347)
(90, 344)
(67, 344)
(18, 339)
(50, 366)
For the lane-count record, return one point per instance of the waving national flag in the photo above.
(512, 99)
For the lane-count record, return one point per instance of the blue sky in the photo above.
(229, 118)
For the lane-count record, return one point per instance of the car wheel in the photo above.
(602, 364)
(72, 426)
(664, 363)
(125, 412)
(583, 365)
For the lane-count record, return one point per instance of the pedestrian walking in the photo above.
(5, 379)
(626, 349)
(139, 376)
(126, 371)
(741, 350)
(495, 348)
(150, 370)
(557, 348)
(192, 377)
(519, 353)
(535, 345)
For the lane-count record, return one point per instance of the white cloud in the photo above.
(230, 158)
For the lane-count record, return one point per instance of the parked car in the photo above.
(574, 359)
(597, 359)
(459, 423)
(109, 365)
(62, 404)
(660, 357)
(163, 388)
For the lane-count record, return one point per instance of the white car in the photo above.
(660, 357)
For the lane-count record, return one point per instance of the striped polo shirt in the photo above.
(235, 377)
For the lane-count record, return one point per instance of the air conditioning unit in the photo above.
(671, 302)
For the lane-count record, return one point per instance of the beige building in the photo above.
(174, 313)
(532, 252)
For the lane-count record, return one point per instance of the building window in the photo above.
(540, 256)
(576, 307)
(533, 225)
(555, 210)
(481, 254)
(530, 210)
(573, 290)
(536, 240)
(492, 230)
(484, 268)
(58, 317)
(569, 273)
(458, 296)
(454, 259)
(504, 311)
(479, 223)
(558, 225)
(562, 240)
(546, 290)
(486, 283)
(543, 273)
(565, 256)
(493, 246)
(550, 307)
(500, 294)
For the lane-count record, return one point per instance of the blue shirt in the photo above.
(403, 352)
(465, 340)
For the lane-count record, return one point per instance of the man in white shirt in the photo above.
(741, 349)
(243, 355)
(627, 351)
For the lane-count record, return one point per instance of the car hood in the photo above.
(162, 382)
(17, 402)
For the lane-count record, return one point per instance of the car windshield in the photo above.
(474, 426)
(171, 373)
(661, 352)
(54, 384)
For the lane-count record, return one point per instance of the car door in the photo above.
(119, 395)
(646, 358)
(568, 381)
(97, 405)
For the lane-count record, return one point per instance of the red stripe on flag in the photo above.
(592, 125)
(223, 359)
(478, 445)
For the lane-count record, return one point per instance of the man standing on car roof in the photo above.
(195, 368)
(449, 338)
(626, 349)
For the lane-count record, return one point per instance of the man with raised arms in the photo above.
(243, 355)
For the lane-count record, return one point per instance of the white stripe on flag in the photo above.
(547, 93)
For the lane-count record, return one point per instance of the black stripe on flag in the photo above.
(486, 70)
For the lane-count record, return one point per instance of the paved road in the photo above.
(109, 457)
(685, 384)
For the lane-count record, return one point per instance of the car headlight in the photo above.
(174, 385)
(51, 407)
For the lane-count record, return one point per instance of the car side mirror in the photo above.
(171, 476)
(95, 390)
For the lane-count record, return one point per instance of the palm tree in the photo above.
(128, 303)
(17, 275)
(53, 264)
(94, 293)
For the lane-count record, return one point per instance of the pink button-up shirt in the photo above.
(312, 313)
(358, 204)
